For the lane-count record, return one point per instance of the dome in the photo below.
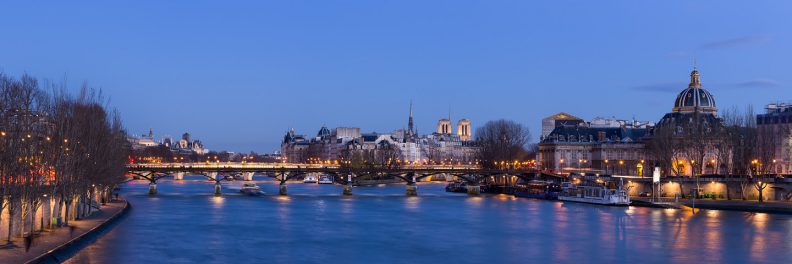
(695, 98)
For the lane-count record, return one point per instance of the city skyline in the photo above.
(484, 61)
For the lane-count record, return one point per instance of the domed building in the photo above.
(691, 124)
(695, 98)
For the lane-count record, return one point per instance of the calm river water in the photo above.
(184, 223)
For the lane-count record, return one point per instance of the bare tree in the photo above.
(768, 142)
(500, 141)
(54, 146)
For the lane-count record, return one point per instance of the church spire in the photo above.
(410, 121)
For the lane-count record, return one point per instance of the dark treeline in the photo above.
(60, 154)
(502, 143)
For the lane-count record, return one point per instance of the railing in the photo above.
(251, 165)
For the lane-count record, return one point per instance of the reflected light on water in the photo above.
(412, 202)
(474, 200)
(505, 197)
(217, 201)
(713, 213)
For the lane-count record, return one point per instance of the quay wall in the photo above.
(778, 190)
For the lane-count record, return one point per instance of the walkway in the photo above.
(733, 205)
(49, 240)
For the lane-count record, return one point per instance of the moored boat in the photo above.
(538, 190)
(310, 179)
(457, 187)
(593, 194)
(325, 179)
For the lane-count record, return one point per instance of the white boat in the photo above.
(593, 194)
(310, 179)
(325, 179)
(250, 189)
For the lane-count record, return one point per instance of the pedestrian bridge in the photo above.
(345, 175)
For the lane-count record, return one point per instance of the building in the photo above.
(774, 128)
(142, 141)
(583, 148)
(694, 110)
(404, 145)
(621, 147)
(463, 129)
(561, 119)
(185, 146)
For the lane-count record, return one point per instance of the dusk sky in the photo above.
(238, 74)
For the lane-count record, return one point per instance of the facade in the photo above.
(583, 148)
(775, 129)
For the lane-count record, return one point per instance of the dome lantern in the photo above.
(695, 98)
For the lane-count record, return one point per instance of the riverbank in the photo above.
(732, 205)
(49, 245)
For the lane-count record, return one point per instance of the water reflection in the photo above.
(378, 224)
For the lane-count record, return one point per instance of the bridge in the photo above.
(345, 175)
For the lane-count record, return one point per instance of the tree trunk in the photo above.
(58, 210)
(10, 223)
(728, 196)
(33, 210)
(761, 190)
(66, 211)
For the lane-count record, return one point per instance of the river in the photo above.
(185, 223)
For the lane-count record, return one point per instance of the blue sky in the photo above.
(238, 74)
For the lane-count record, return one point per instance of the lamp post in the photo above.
(606, 167)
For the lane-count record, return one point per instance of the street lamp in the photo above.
(562, 165)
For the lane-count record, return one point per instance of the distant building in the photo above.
(142, 141)
(404, 145)
(775, 126)
(185, 146)
(463, 129)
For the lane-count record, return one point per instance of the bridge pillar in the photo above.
(474, 189)
(247, 176)
(412, 189)
(212, 175)
(218, 189)
(178, 176)
(282, 189)
(152, 188)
